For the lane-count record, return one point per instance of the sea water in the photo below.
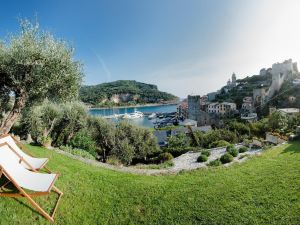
(143, 122)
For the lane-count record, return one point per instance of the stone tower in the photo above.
(194, 107)
(233, 80)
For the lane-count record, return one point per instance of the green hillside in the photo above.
(263, 190)
(244, 88)
(130, 91)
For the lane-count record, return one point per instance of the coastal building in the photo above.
(182, 110)
(231, 83)
(296, 81)
(194, 103)
(249, 117)
(247, 106)
(221, 108)
(248, 111)
(196, 113)
(289, 111)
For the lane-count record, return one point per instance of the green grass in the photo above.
(263, 190)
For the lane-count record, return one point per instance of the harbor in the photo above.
(145, 116)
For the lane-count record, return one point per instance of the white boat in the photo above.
(134, 115)
(152, 116)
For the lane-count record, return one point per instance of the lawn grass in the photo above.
(263, 190)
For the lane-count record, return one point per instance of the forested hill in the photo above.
(124, 92)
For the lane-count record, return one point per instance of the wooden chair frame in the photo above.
(24, 149)
(29, 196)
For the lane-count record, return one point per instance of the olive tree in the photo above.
(134, 142)
(35, 65)
(73, 119)
(43, 118)
(103, 133)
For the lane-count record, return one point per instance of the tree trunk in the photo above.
(8, 122)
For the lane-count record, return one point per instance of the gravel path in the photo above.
(187, 161)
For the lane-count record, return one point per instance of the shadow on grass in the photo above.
(293, 148)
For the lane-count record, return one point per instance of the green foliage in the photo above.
(77, 152)
(42, 119)
(103, 133)
(84, 140)
(277, 120)
(45, 140)
(179, 151)
(35, 66)
(218, 144)
(165, 156)
(138, 93)
(124, 151)
(260, 127)
(216, 138)
(243, 149)
(231, 149)
(73, 119)
(113, 160)
(226, 158)
(216, 162)
(180, 140)
(133, 142)
(202, 158)
(205, 152)
(239, 128)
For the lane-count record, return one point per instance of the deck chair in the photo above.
(28, 183)
(35, 163)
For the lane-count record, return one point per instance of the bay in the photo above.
(143, 122)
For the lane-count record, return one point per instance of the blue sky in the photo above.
(183, 46)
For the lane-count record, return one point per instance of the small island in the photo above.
(124, 93)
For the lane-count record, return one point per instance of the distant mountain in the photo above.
(124, 92)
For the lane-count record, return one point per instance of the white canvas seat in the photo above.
(36, 163)
(33, 181)
(25, 180)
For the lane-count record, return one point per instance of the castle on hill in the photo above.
(280, 72)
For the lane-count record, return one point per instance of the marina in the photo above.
(144, 116)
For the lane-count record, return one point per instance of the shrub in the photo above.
(178, 151)
(216, 162)
(103, 132)
(232, 150)
(76, 151)
(247, 142)
(243, 149)
(218, 144)
(202, 158)
(164, 157)
(230, 146)
(205, 152)
(73, 119)
(112, 160)
(134, 143)
(124, 151)
(179, 140)
(83, 140)
(226, 158)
